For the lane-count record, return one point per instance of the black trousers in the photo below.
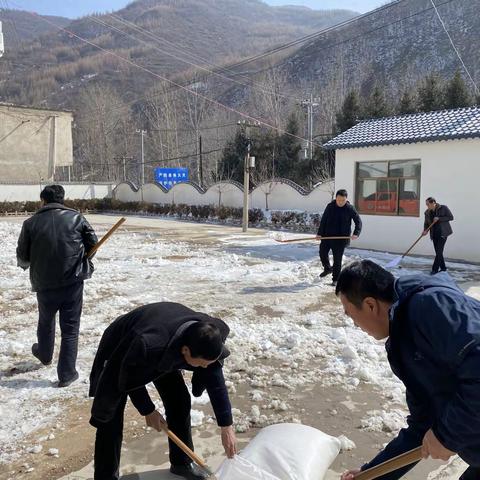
(68, 302)
(439, 246)
(337, 247)
(177, 403)
(472, 473)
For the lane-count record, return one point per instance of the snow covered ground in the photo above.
(288, 329)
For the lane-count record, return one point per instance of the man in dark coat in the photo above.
(54, 244)
(440, 217)
(154, 343)
(433, 347)
(337, 222)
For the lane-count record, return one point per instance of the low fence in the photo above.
(29, 192)
(278, 194)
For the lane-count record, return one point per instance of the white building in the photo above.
(33, 143)
(391, 165)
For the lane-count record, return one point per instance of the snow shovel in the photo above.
(106, 237)
(391, 465)
(199, 461)
(306, 239)
(396, 261)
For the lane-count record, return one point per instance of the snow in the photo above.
(288, 330)
(346, 443)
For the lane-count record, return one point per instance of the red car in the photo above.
(386, 202)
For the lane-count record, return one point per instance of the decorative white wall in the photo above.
(73, 191)
(450, 173)
(274, 195)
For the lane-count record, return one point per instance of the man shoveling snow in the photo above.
(433, 347)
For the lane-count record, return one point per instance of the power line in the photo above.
(183, 157)
(454, 47)
(328, 46)
(381, 27)
(254, 85)
(204, 97)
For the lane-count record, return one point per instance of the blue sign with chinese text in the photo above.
(168, 177)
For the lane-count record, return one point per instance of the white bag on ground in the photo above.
(283, 452)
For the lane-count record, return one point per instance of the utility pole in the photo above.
(309, 104)
(200, 157)
(249, 164)
(142, 170)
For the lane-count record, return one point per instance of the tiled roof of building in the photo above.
(418, 127)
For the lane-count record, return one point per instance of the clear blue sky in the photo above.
(76, 8)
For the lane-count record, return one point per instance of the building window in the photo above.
(388, 188)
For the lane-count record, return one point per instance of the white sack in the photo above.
(283, 452)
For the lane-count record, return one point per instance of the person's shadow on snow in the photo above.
(277, 288)
(20, 384)
(152, 475)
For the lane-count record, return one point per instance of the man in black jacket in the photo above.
(440, 217)
(54, 244)
(154, 343)
(337, 222)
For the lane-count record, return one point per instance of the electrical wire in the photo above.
(454, 47)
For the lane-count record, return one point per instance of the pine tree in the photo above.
(231, 164)
(456, 93)
(288, 149)
(406, 104)
(376, 105)
(430, 95)
(350, 112)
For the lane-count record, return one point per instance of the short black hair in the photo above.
(204, 340)
(53, 194)
(431, 200)
(341, 193)
(363, 279)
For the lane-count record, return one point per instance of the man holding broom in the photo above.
(433, 347)
(153, 344)
(337, 222)
(54, 244)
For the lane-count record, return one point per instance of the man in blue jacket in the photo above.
(433, 347)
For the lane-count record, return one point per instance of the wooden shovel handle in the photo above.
(106, 237)
(391, 465)
(312, 238)
(417, 240)
(188, 451)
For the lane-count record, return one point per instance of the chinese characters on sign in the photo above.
(168, 177)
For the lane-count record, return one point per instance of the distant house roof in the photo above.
(417, 127)
(26, 107)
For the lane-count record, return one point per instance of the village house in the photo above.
(391, 165)
(34, 142)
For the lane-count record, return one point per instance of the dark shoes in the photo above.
(190, 472)
(36, 355)
(326, 272)
(66, 383)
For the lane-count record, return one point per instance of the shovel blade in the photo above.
(394, 263)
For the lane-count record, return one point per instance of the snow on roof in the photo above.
(453, 124)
